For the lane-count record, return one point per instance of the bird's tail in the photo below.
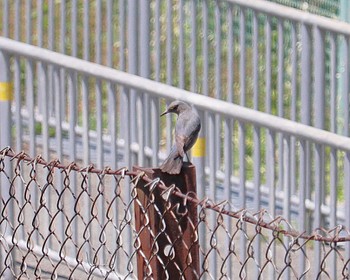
(173, 163)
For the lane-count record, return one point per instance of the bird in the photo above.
(187, 127)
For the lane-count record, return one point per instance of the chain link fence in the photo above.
(60, 221)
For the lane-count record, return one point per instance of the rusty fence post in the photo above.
(167, 247)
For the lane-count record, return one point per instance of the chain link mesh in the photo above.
(62, 221)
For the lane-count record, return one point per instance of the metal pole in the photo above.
(132, 39)
(304, 162)
(85, 85)
(172, 232)
(334, 156)
(345, 102)
(305, 90)
(257, 136)
(6, 267)
(242, 129)
(319, 105)
(143, 100)
(270, 137)
(202, 190)
(344, 15)
(5, 18)
(217, 73)
(111, 92)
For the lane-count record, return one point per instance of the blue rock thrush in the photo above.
(186, 132)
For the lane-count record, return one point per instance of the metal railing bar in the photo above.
(296, 15)
(166, 91)
(57, 257)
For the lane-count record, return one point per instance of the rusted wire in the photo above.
(59, 219)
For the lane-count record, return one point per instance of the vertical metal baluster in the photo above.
(72, 89)
(111, 94)
(280, 90)
(306, 105)
(72, 149)
(5, 18)
(157, 35)
(42, 86)
(124, 105)
(304, 191)
(51, 46)
(42, 91)
(293, 108)
(203, 191)
(17, 73)
(346, 90)
(242, 129)
(218, 94)
(98, 85)
(155, 100)
(74, 30)
(86, 112)
(256, 107)
(286, 199)
(256, 138)
(143, 100)
(212, 194)
(85, 85)
(205, 48)
(270, 139)
(30, 97)
(133, 59)
(347, 199)
(62, 49)
(228, 123)
(169, 68)
(127, 156)
(112, 120)
(122, 66)
(39, 31)
(334, 156)
(58, 145)
(319, 107)
(29, 82)
(130, 100)
(230, 54)
(73, 111)
(228, 130)
(6, 204)
(122, 34)
(193, 50)
(347, 155)
(198, 157)
(125, 113)
(181, 57)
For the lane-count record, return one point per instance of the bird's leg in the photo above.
(188, 159)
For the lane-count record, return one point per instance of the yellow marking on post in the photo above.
(6, 91)
(198, 149)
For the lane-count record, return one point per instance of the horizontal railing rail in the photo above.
(238, 112)
(296, 15)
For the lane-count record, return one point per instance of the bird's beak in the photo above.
(164, 113)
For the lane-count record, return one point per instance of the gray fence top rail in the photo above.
(162, 90)
(296, 15)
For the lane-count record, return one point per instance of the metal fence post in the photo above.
(167, 227)
(5, 141)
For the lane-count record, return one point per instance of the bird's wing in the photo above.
(180, 141)
(186, 132)
(192, 138)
